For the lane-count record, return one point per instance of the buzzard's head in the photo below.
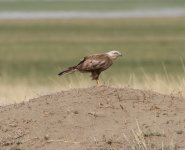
(114, 54)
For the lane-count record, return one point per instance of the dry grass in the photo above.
(21, 90)
(139, 141)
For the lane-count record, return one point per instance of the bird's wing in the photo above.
(95, 62)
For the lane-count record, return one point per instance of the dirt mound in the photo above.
(100, 118)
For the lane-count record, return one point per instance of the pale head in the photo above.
(114, 54)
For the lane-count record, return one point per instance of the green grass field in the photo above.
(32, 52)
(40, 49)
(87, 5)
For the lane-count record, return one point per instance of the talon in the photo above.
(97, 82)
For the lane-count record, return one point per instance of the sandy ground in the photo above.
(100, 118)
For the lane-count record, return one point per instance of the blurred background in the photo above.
(39, 38)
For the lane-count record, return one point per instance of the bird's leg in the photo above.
(97, 82)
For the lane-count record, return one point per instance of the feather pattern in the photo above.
(94, 64)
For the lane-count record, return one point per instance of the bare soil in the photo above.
(100, 118)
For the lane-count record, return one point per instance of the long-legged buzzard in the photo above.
(94, 64)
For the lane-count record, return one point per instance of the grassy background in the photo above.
(87, 5)
(33, 52)
(38, 50)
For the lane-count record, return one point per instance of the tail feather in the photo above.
(68, 71)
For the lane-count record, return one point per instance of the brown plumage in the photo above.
(93, 64)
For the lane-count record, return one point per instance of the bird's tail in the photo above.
(68, 71)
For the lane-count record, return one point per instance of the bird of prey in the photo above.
(94, 64)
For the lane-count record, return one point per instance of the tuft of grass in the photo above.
(150, 134)
(139, 141)
(175, 147)
(179, 131)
